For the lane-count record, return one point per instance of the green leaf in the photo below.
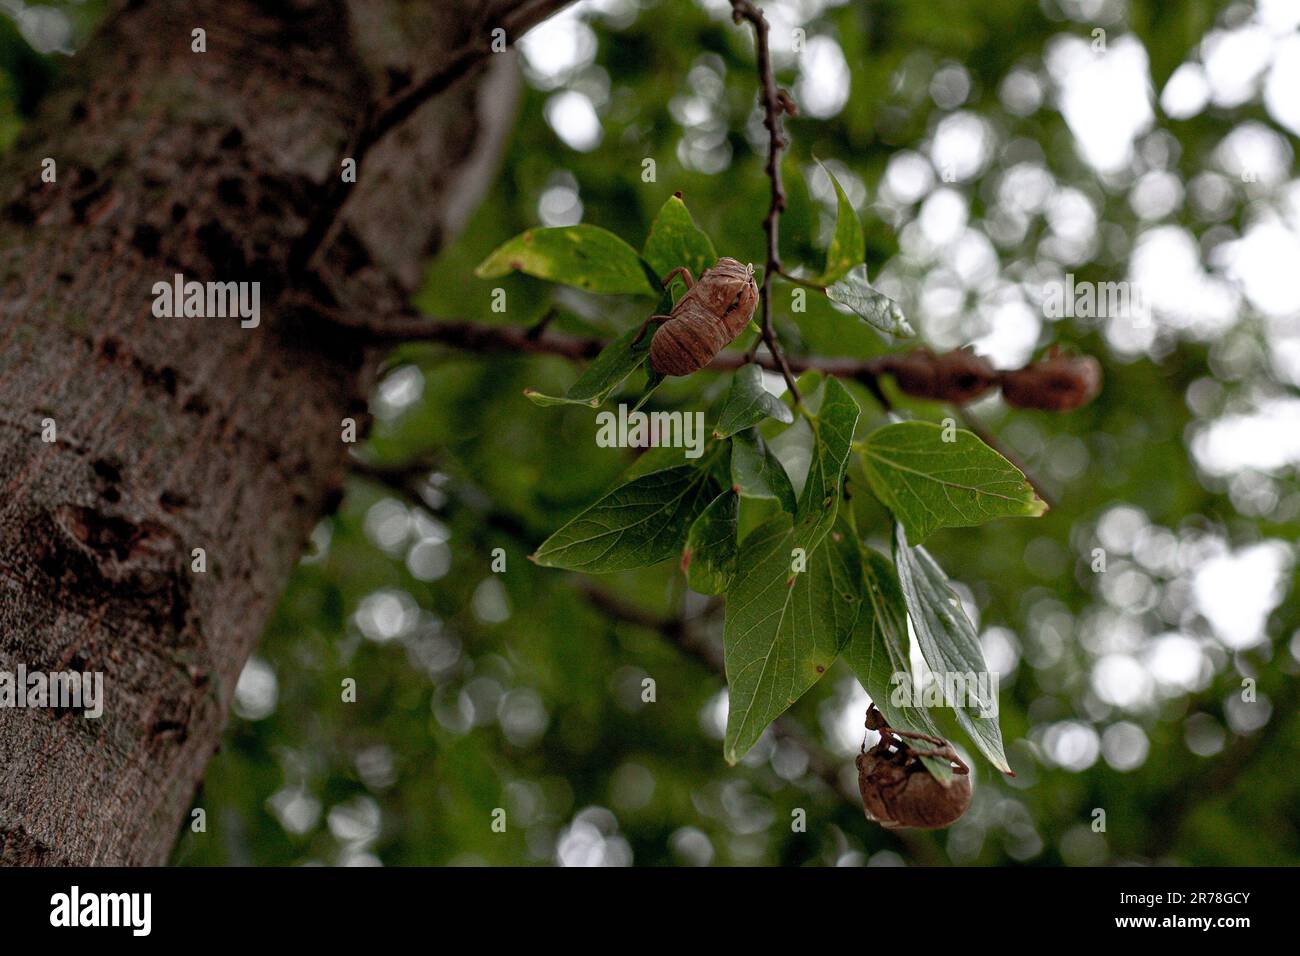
(616, 362)
(783, 629)
(929, 483)
(877, 651)
(748, 403)
(585, 256)
(793, 449)
(637, 524)
(848, 245)
(756, 472)
(665, 457)
(832, 426)
(874, 307)
(674, 240)
(709, 559)
(948, 642)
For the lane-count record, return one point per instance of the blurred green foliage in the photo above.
(477, 691)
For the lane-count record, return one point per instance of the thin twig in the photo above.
(806, 283)
(775, 103)
(383, 116)
(535, 332)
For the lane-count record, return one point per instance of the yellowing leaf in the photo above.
(585, 256)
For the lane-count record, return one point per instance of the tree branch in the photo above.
(957, 377)
(775, 103)
(385, 115)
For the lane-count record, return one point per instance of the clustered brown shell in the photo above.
(706, 319)
(1056, 383)
(899, 791)
(956, 376)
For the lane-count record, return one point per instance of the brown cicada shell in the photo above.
(960, 376)
(714, 310)
(1059, 383)
(899, 791)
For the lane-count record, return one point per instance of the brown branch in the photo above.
(775, 103)
(406, 479)
(366, 330)
(383, 116)
(957, 377)
(409, 480)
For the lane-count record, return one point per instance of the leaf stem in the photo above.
(806, 283)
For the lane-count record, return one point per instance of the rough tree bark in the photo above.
(175, 434)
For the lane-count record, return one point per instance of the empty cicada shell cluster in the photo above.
(1057, 383)
(898, 790)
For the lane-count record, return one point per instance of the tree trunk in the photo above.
(182, 433)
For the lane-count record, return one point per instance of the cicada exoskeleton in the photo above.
(705, 320)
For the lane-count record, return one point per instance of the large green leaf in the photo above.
(877, 652)
(674, 240)
(616, 361)
(749, 403)
(871, 305)
(832, 425)
(709, 559)
(756, 472)
(783, 629)
(585, 256)
(948, 642)
(639, 523)
(848, 245)
(929, 483)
